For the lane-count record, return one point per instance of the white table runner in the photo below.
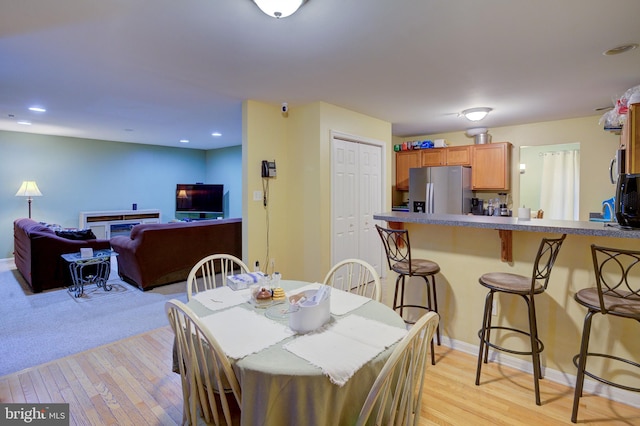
(221, 298)
(342, 348)
(241, 332)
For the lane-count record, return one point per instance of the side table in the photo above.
(98, 269)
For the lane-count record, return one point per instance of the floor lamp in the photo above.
(29, 189)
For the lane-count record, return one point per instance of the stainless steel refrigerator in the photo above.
(442, 190)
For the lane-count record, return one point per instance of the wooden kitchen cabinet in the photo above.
(405, 160)
(459, 155)
(491, 166)
(433, 157)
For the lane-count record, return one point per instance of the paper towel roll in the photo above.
(524, 213)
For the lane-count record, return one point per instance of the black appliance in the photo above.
(477, 206)
(627, 202)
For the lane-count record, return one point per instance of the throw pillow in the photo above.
(80, 234)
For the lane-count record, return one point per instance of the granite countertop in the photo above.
(595, 229)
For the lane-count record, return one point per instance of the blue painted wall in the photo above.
(225, 166)
(77, 175)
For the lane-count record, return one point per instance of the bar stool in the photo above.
(615, 294)
(398, 250)
(527, 288)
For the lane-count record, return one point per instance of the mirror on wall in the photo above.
(550, 180)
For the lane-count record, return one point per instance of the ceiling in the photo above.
(157, 71)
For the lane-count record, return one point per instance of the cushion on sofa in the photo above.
(79, 234)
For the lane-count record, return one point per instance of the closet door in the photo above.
(344, 200)
(356, 197)
(370, 203)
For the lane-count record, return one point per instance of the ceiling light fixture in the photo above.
(216, 134)
(620, 49)
(476, 114)
(37, 109)
(279, 8)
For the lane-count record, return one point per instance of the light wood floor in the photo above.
(130, 383)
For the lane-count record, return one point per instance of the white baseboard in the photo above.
(590, 386)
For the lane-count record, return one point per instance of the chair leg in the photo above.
(582, 363)
(535, 353)
(483, 350)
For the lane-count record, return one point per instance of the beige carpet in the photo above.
(37, 328)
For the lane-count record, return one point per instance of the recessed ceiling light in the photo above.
(24, 123)
(620, 49)
(37, 109)
(184, 140)
(216, 134)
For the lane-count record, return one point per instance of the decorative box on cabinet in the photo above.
(405, 160)
(491, 166)
(107, 224)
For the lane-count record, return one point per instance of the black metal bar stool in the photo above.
(398, 250)
(527, 288)
(617, 293)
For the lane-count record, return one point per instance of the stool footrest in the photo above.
(603, 380)
(502, 348)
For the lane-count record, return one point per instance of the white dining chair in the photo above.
(210, 388)
(396, 395)
(355, 276)
(212, 271)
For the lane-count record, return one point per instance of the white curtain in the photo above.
(560, 189)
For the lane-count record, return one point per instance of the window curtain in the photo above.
(560, 189)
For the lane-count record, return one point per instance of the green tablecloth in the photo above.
(279, 388)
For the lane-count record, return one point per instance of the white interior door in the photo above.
(357, 195)
(344, 200)
(370, 202)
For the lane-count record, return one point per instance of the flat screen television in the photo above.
(199, 198)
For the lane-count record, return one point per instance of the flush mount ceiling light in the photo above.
(279, 8)
(476, 114)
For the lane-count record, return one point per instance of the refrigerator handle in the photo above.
(430, 189)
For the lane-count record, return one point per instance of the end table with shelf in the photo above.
(89, 270)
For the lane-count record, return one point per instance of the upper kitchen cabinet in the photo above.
(459, 155)
(405, 160)
(491, 166)
(631, 139)
(433, 157)
(451, 156)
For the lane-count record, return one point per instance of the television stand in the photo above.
(107, 224)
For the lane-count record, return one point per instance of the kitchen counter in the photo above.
(505, 226)
(595, 229)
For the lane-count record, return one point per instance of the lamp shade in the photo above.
(476, 114)
(279, 8)
(29, 188)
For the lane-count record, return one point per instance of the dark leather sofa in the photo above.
(37, 252)
(162, 253)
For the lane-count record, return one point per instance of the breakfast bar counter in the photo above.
(594, 229)
(505, 226)
(467, 247)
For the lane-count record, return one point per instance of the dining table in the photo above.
(287, 378)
